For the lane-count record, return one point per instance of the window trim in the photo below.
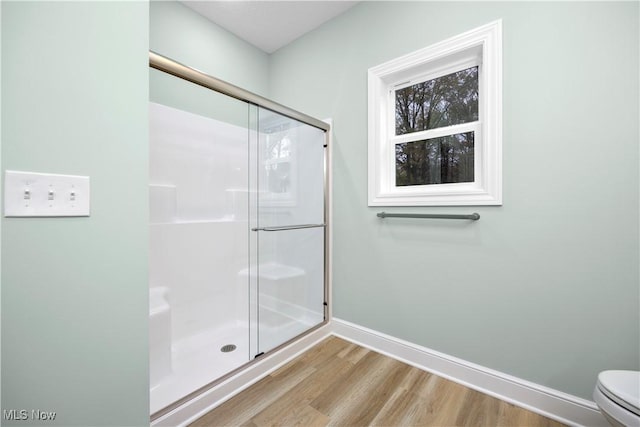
(482, 45)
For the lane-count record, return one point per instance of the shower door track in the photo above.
(169, 66)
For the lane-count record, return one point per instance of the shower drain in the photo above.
(227, 348)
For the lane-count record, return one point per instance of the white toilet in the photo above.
(617, 394)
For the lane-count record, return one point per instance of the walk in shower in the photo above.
(237, 259)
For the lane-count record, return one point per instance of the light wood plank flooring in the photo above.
(342, 384)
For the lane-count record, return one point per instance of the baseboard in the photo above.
(205, 402)
(554, 404)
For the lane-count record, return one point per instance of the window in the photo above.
(435, 124)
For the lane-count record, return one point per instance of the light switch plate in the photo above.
(31, 194)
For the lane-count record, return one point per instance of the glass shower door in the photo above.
(289, 229)
(198, 233)
(236, 230)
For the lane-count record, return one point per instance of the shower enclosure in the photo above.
(237, 259)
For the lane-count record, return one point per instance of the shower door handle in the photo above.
(288, 227)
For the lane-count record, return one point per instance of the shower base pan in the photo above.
(199, 360)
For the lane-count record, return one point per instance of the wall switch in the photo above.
(40, 194)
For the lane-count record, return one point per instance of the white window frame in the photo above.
(480, 47)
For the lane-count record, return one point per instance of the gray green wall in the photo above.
(544, 287)
(74, 290)
(185, 36)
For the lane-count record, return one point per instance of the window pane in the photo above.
(444, 160)
(445, 101)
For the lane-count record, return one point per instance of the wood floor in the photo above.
(342, 384)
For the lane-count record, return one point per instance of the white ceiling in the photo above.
(269, 25)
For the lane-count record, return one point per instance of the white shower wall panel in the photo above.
(199, 176)
(199, 264)
(204, 159)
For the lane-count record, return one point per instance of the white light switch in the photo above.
(42, 194)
